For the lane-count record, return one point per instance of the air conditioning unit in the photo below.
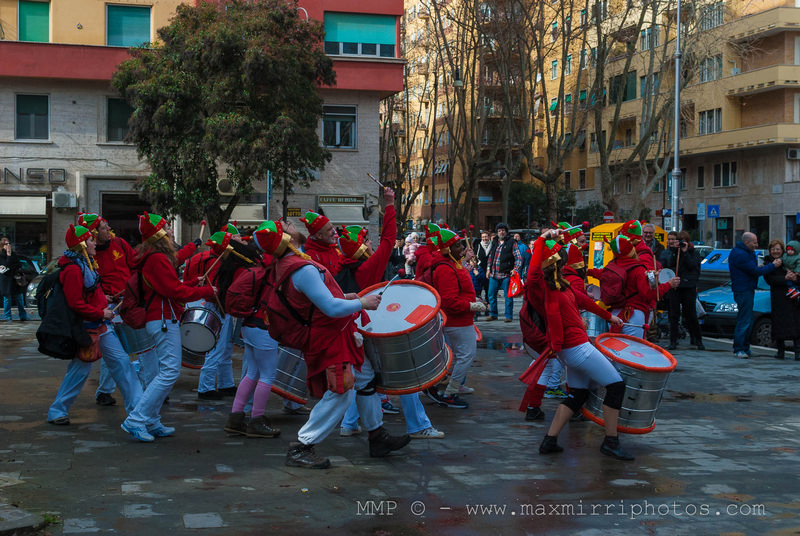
(793, 154)
(226, 187)
(65, 200)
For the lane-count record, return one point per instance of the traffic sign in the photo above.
(608, 217)
(701, 211)
(667, 212)
(713, 211)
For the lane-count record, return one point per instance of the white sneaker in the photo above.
(347, 432)
(464, 390)
(427, 433)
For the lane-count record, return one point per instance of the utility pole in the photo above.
(676, 172)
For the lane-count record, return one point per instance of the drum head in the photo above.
(635, 352)
(665, 275)
(593, 291)
(405, 306)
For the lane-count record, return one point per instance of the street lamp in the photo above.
(676, 172)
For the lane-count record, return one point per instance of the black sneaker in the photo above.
(433, 394)
(227, 391)
(382, 443)
(534, 414)
(300, 455)
(453, 401)
(550, 445)
(209, 395)
(105, 399)
(611, 447)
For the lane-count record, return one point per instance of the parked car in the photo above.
(703, 250)
(30, 293)
(714, 268)
(30, 268)
(721, 313)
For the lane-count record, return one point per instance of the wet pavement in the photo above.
(723, 459)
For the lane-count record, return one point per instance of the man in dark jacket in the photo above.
(10, 266)
(482, 248)
(681, 257)
(744, 278)
(504, 260)
(649, 239)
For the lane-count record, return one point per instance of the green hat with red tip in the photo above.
(632, 230)
(270, 237)
(219, 242)
(314, 222)
(89, 220)
(351, 241)
(230, 227)
(152, 227)
(446, 239)
(621, 246)
(550, 255)
(77, 235)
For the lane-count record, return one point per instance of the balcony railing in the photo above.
(761, 80)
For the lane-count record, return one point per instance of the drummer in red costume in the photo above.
(216, 375)
(321, 244)
(334, 355)
(454, 285)
(632, 230)
(566, 336)
(164, 296)
(425, 251)
(638, 296)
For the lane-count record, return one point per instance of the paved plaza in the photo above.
(723, 459)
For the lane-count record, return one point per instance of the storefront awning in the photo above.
(344, 214)
(23, 205)
(248, 214)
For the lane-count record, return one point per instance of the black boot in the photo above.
(381, 443)
(611, 447)
(673, 345)
(534, 414)
(259, 427)
(796, 349)
(301, 455)
(781, 350)
(236, 423)
(550, 445)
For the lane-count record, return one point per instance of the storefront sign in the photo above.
(35, 176)
(341, 200)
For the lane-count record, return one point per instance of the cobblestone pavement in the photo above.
(723, 459)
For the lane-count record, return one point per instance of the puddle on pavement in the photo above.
(512, 343)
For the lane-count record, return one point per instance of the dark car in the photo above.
(714, 268)
(30, 292)
(30, 268)
(721, 313)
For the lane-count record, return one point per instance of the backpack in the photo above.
(133, 309)
(613, 281)
(61, 331)
(346, 277)
(285, 323)
(244, 293)
(533, 327)
(427, 275)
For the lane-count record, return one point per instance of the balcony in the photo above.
(761, 80)
(764, 24)
(743, 138)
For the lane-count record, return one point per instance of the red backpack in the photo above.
(244, 295)
(613, 281)
(533, 327)
(133, 309)
(285, 323)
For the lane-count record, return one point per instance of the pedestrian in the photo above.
(504, 260)
(681, 257)
(791, 262)
(81, 283)
(482, 250)
(11, 277)
(558, 305)
(744, 279)
(409, 251)
(649, 240)
(785, 312)
(397, 260)
(164, 295)
(337, 370)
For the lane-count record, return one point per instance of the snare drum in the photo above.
(594, 324)
(645, 369)
(665, 275)
(200, 327)
(290, 378)
(133, 341)
(193, 360)
(404, 340)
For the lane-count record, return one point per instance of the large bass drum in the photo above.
(290, 377)
(403, 338)
(645, 369)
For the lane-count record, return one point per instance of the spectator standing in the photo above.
(504, 260)
(10, 267)
(482, 250)
(744, 278)
(785, 314)
(681, 257)
(649, 239)
(410, 250)
(397, 260)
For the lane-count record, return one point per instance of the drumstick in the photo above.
(224, 253)
(202, 228)
(387, 285)
(376, 180)
(678, 261)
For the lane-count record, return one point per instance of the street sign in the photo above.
(797, 218)
(668, 222)
(713, 211)
(701, 211)
(608, 217)
(667, 212)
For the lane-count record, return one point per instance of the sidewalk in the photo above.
(721, 460)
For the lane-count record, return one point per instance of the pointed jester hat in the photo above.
(230, 227)
(314, 222)
(152, 227)
(219, 242)
(550, 254)
(620, 246)
(632, 230)
(575, 257)
(77, 236)
(351, 241)
(90, 221)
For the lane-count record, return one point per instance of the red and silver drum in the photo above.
(594, 324)
(290, 378)
(192, 360)
(133, 341)
(404, 340)
(645, 369)
(200, 327)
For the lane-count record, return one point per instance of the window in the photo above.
(567, 25)
(583, 59)
(360, 35)
(127, 26)
(568, 65)
(711, 68)
(649, 38)
(583, 18)
(628, 184)
(568, 103)
(339, 127)
(600, 11)
(628, 137)
(34, 21)
(712, 16)
(710, 121)
(593, 143)
(553, 69)
(725, 174)
(652, 81)
(553, 105)
(701, 177)
(567, 180)
(33, 117)
(554, 32)
(623, 86)
(117, 119)
(582, 179)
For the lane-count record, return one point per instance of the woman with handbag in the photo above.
(84, 295)
(12, 281)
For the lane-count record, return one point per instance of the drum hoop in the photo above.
(608, 353)
(425, 322)
(622, 429)
(426, 385)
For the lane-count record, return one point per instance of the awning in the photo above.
(344, 214)
(248, 214)
(23, 205)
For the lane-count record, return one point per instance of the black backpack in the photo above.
(61, 331)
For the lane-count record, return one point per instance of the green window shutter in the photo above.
(568, 98)
(127, 26)
(356, 28)
(34, 21)
(582, 95)
(554, 105)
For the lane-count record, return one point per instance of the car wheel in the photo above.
(762, 332)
